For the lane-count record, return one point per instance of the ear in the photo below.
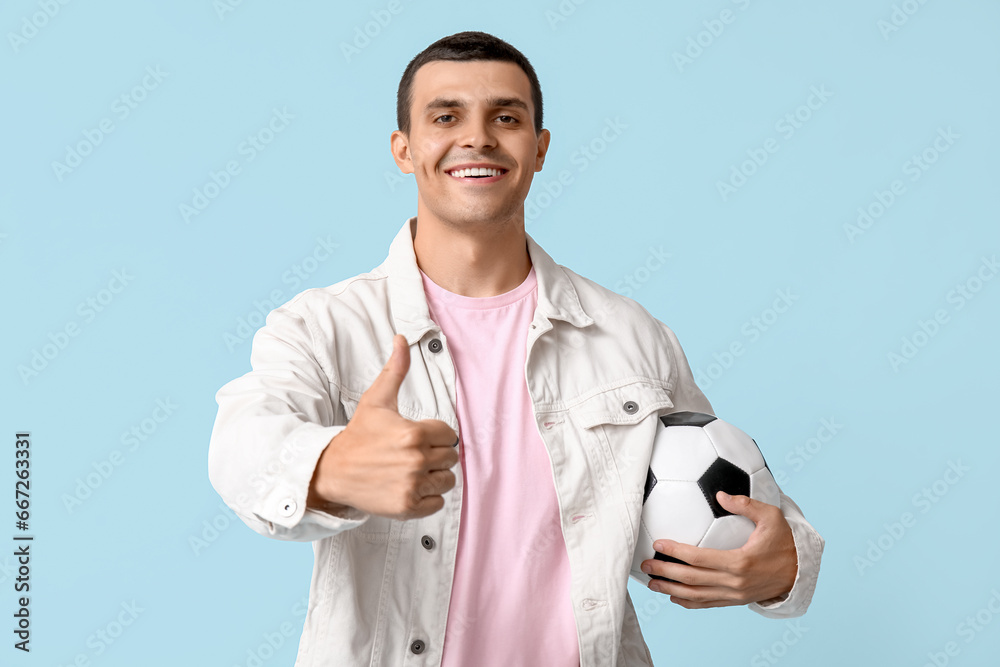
(399, 145)
(543, 147)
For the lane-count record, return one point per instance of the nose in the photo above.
(478, 133)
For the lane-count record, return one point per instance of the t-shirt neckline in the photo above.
(440, 296)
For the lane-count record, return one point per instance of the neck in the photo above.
(475, 260)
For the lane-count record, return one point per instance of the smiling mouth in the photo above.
(488, 174)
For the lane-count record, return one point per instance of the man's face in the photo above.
(477, 112)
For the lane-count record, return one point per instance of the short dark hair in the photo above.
(465, 46)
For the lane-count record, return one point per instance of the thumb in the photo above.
(742, 505)
(384, 390)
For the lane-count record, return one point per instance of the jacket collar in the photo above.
(557, 297)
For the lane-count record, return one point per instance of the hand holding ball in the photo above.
(694, 456)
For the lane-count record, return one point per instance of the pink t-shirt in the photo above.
(510, 600)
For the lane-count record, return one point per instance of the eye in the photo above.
(447, 115)
(513, 120)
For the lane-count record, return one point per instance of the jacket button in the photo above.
(631, 407)
(287, 508)
(417, 646)
(427, 542)
(434, 345)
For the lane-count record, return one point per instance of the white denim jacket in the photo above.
(381, 588)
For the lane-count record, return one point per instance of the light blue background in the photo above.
(329, 174)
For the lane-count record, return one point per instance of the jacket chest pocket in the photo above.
(382, 531)
(617, 427)
(626, 404)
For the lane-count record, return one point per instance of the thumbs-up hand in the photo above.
(383, 463)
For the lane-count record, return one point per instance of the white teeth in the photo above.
(475, 171)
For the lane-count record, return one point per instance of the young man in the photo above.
(470, 345)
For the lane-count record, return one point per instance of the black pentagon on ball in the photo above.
(650, 483)
(723, 476)
(761, 454)
(686, 419)
(666, 559)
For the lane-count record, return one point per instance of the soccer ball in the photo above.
(694, 456)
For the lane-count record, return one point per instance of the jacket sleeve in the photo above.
(808, 544)
(809, 549)
(273, 423)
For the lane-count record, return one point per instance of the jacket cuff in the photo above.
(809, 551)
(282, 504)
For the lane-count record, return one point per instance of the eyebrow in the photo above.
(493, 103)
